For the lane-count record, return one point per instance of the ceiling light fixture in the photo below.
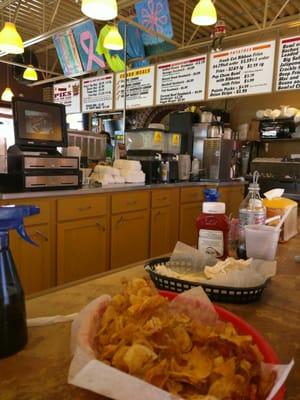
(103, 10)
(30, 73)
(113, 40)
(10, 40)
(204, 13)
(7, 94)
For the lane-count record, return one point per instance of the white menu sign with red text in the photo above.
(97, 93)
(242, 71)
(139, 91)
(288, 73)
(181, 81)
(68, 93)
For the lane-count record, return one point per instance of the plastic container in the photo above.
(261, 241)
(277, 206)
(147, 139)
(211, 194)
(213, 229)
(172, 143)
(251, 212)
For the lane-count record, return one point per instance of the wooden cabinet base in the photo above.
(82, 248)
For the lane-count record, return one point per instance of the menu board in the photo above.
(242, 71)
(288, 74)
(139, 91)
(97, 93)
(68, 93)
(181, 81)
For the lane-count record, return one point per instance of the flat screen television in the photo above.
(39, 124)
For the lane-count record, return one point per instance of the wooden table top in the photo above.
(39, 372)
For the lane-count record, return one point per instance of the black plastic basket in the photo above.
(222, 294)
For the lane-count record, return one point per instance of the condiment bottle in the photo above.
(251, 212)
(213, 228)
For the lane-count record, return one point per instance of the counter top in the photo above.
(112, 188)
(39, 372)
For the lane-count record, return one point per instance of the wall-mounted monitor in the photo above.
(39, 124)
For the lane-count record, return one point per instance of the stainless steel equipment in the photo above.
(31, 171)
(217, 155)
(215, 130)
(280, 128)
(200, 132)
(92, 145)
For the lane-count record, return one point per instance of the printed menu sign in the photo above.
(139, 91)
(68, 93)
(242, 71)
(288, 74)
(181, 81)
(97, 93)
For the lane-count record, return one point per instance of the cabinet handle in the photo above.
(157, 214)
(84, 208)
(131, 203)
(123, 220)
(162, 199)
(101, 226)
(42, 235)
(120, 220)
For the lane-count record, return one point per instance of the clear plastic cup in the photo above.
(261, 241)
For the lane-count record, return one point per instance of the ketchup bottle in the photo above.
(213, 228)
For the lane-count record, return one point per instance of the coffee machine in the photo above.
(217, 156)
(155, 148)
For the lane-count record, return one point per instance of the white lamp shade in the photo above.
(103, 10)
(7, 95)
(113, 40)
(10, 40)
(30, 73)
(204, 13)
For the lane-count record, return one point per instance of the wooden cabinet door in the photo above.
(82, 248)
(129, 238)
(35, 264)
(188, 216)
(232, 196)
(160, 241)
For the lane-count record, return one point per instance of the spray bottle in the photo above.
(13, 329)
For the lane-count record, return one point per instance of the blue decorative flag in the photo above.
(154, 15)
(86, 41)
(135, 46)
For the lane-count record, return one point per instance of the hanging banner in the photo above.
(67, 53)
(242, 71)
(181, 81)
(288, 73)
(86, 41)
(139, 91)
(68, 93)
(97, 93)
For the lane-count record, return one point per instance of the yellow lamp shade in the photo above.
(204, 13)
(113, 40)
(7, 95)
(30, 73)
(10, 40)
(103, 10)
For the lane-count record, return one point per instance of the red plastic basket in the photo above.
(242, 326)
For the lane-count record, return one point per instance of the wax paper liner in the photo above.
(87, 372)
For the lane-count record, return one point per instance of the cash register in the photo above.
(34, 162)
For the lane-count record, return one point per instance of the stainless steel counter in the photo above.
(112, 188)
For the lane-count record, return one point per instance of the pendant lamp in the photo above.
(103, 10)
(7, 95)
(204, 13)
(113, 40)
(10, 40)
(30, 73)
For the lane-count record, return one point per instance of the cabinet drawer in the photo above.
(81, 207)
(192, 194)
(161, 198)
(130, 201)
(42, 217)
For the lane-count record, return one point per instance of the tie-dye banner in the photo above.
(154, 15)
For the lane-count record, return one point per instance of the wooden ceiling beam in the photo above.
(279, 12)
(250, 15)
(266, 13)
